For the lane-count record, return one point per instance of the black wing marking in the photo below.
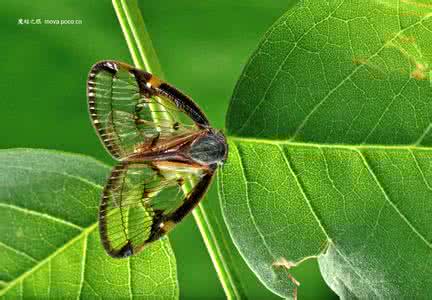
(125, 105)
(143, 201)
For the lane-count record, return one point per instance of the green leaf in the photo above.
(330, 149)
(49, 244)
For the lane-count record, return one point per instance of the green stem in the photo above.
(144, 57)
(222, 268)
(137, 37)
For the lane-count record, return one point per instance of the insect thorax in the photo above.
(209, 149)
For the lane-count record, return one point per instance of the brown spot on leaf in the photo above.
(407, 39)
(417, 4)
(420, 72)
(374, 71)
(359, 61)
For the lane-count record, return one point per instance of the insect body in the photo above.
(161, 140)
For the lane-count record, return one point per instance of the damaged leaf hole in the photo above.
(287, 265)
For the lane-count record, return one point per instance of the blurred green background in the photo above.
(202, 47)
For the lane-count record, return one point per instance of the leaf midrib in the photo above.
(357, 150)
(352, 147)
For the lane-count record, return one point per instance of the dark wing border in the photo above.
(150, 86)
(161, 224)
(112, 181)
(189, 203)
(184, 103)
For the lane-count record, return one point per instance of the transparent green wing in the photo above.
(124, 102)
(143, 201)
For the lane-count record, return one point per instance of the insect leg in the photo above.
(155, 140)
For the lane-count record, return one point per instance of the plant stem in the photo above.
(144, 57)
(137, 37)
(224, 273)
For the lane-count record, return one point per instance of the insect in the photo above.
(161, 140)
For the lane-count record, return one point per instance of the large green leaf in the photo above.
(331, 149)
(49, 244)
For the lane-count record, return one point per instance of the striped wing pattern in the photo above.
(141, 200)
(139, 205)
(122, 105)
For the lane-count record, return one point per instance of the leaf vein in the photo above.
(420, 170)
(83, 264)
(40, 214)
(423, 135)
(261, 235)
(302, 191)
(353, 72)
(385, 111)
(28, 256)
(341, 146)
(129, 278)
(392, 204)
(82, 179)
(295, 46)
(60, 250)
